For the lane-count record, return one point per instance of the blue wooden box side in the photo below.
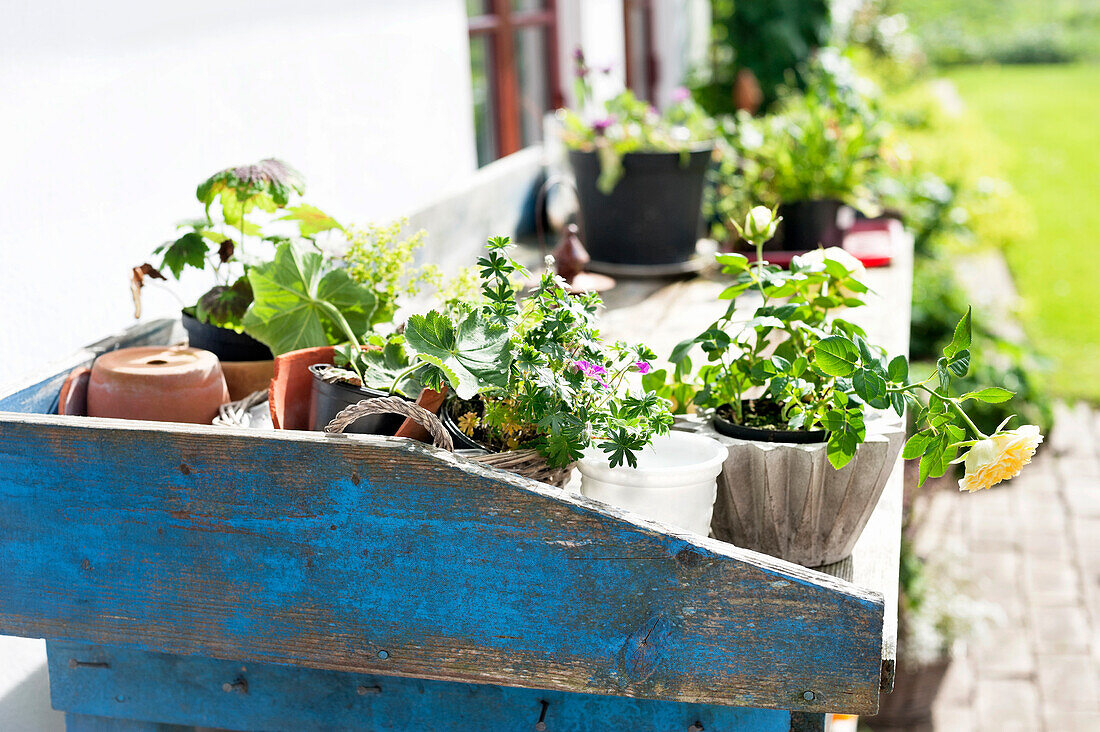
(104, 682)
(377, 555)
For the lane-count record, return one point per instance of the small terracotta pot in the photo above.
(245, 377)
(157, 383)
(289, 394)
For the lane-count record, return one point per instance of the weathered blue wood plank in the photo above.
(87, 723)
(208, 693)
(382, 556)
(38, 393)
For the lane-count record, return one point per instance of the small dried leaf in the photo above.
(137, 281)
(225, 250)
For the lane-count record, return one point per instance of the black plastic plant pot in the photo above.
(807, 225)
(726, 426)
(226, 344)
(461, 440)
(327, 399)
(653, 216)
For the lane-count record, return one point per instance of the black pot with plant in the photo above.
(381, 368)
(810, 224)
(761, 420)
(653, 215)
(216, 242)
(639, 174)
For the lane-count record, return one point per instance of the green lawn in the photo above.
(1048, 117)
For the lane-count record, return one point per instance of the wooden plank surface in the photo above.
(103, 681)
(382, 556)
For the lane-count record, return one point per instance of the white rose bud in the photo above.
(760, 223)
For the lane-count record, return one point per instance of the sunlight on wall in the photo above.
(115, 111)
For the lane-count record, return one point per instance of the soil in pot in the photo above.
(762, 421)
(807, 225)
(652, 216)
(327, 399)
(226, 344)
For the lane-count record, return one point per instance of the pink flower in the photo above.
(591, 370)
(680, 95)
(600, 126)
(643, 367)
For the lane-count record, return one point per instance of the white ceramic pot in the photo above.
(674, 483)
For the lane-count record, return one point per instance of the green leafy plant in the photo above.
(818, 369)
(626, 124)
(298, 302)
(380, 258)
(825, 142)
(229, 237)
(534, 373)
(381, 363)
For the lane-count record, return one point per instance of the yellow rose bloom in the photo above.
(999, 457)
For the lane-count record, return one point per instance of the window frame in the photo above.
(498, 25)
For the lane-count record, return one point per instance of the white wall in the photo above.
(112, 112)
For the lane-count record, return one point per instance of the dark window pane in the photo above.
(534, 87)
(521, 5)
(481, 66)
(476, 7)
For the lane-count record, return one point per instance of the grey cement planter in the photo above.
(786, 500)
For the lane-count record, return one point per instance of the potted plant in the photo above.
(639, 175)
(810, 157)
(225, 243)
(799, 397)
(532, 384)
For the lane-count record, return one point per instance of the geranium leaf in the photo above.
(296, 306)
(473, 355)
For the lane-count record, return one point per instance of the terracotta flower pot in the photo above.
(157, 383)
(289, 394)
(245, 377)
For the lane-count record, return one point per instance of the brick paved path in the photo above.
(1034, 549)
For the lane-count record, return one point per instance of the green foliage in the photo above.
(225, 305)
(1003, 31)
(626, 124)
(819, 368)
(543, 377)
(385, 262)
(382, 363)
(767, 37)
(470, 355)
(298, 304)
(216, 243)
(821, 143)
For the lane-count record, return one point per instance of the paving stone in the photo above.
(1069, 683)
(1006, 653)
(1073, 429)
(1007, 705)
(1083, 497)
(1066, 721)
(1061, 630)
(1077, 467)
(1051, 582)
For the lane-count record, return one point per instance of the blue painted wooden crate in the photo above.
(205, 576)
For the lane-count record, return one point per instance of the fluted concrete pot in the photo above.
(788, 501)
